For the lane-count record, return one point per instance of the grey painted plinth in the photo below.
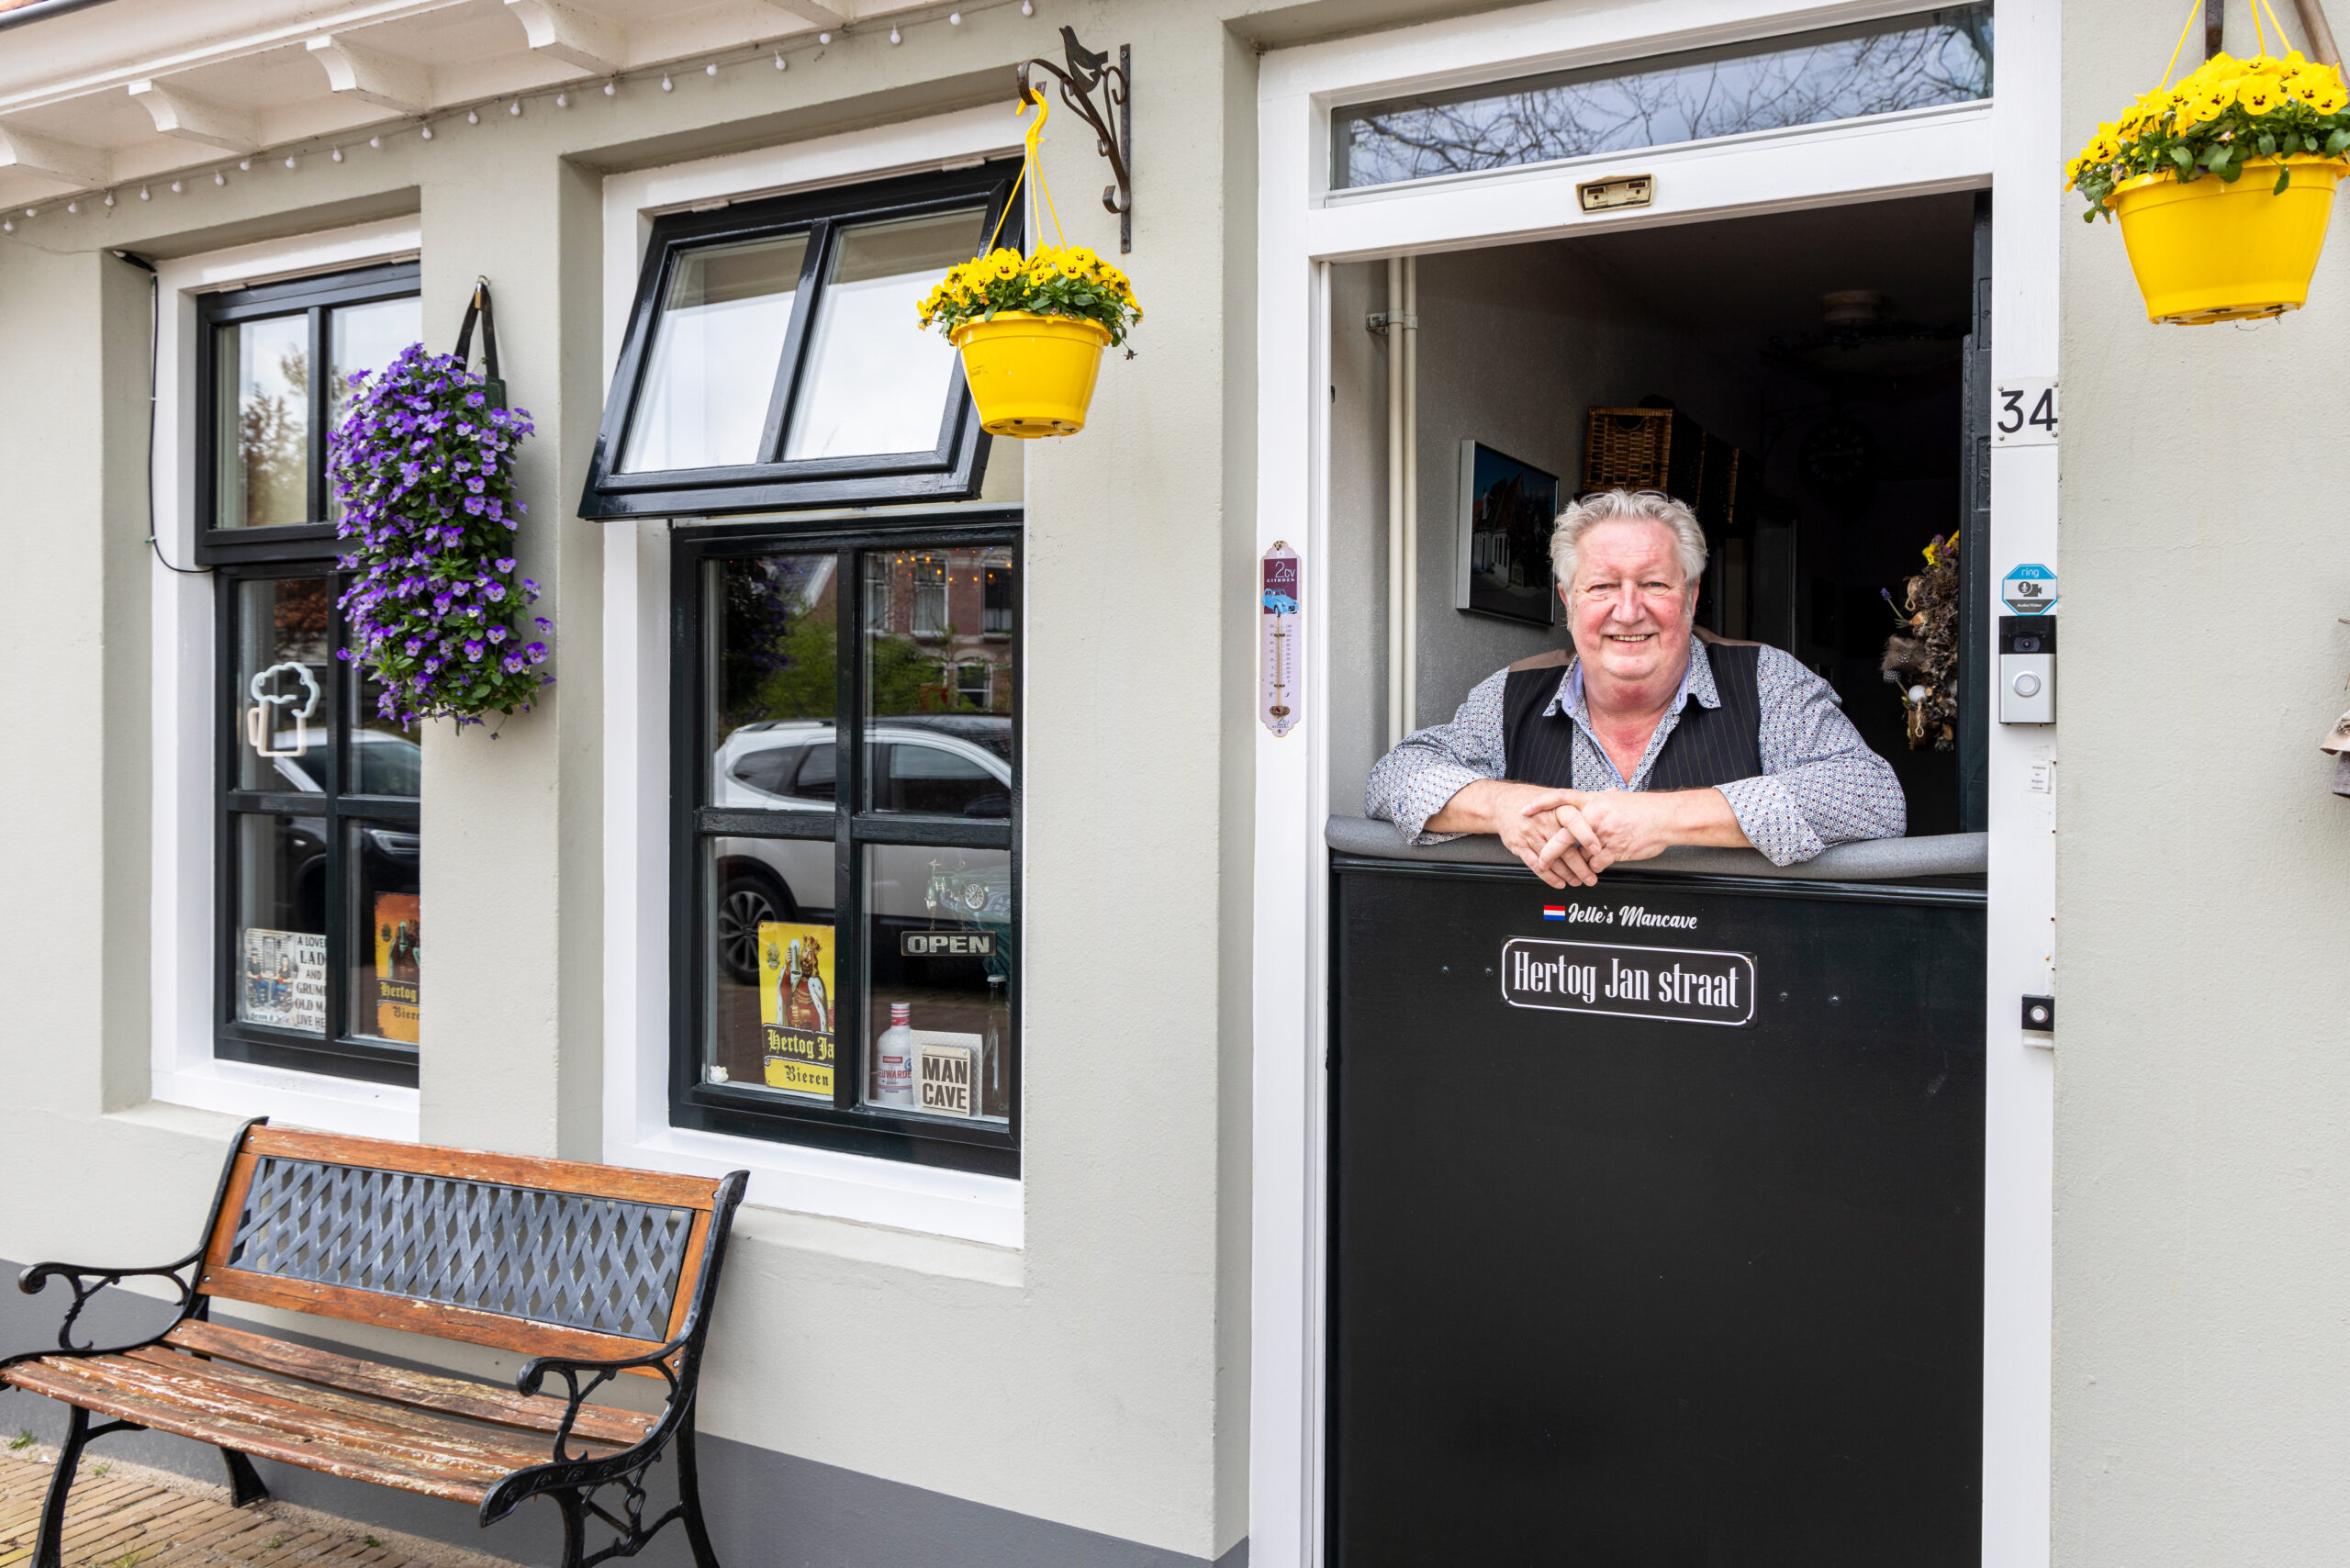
(765, 1509)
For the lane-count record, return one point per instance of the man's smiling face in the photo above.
(1629, 605)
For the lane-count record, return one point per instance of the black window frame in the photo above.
(317, 296)
(950, 471)
(241, 555)
(847, 1124)
(339, 1052)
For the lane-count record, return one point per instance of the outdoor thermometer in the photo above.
(1278, 629)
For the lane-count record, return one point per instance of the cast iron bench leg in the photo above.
(48, 1546)
(689, 1493)
(244, 1482)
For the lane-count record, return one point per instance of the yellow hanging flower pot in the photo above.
(2216, 252)
(1032, 328)
(1031, 374)
(2223, 183)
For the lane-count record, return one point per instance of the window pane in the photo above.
(939, 958)
(939, 681)
(362, 339)
(278, 869)
(263, 413)
(385, 759)
(285, 680)
(703, 402)
(385, 979)
(872, 383)
(775, 660)
(771, 947)
(1907, 63)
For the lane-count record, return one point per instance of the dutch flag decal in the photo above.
(1555, 912)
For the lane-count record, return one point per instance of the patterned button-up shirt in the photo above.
(1819, 785)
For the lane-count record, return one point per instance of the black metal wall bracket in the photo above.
(1113, 129)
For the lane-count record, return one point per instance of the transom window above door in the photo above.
(1919, 60)
(774, 358)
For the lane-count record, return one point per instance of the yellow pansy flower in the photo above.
(2258, 95)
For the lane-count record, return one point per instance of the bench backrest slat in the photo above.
(533, 1255)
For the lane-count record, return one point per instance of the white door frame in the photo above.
(1302, 228)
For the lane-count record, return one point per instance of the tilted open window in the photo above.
(774, 360)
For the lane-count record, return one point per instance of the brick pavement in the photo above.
(128, 1516)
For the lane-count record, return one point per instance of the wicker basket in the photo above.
(1644, 449)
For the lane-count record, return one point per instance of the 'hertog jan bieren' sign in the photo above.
(1678, 984)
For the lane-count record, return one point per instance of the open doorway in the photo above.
(1801, 379)
(1610, 1281)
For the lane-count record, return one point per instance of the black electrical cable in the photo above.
(154, 354)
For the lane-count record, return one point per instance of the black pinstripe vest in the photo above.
(1710, 746)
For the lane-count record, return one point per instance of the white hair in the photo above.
(1636, 506)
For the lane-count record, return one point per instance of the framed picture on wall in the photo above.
(1507, 510)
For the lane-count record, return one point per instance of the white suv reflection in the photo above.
(943, 767)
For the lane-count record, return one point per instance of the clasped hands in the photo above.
(1569, 836)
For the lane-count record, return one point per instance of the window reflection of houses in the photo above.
(956, 608)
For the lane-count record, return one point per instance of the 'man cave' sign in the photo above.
(1679, 983)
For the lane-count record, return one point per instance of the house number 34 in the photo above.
(2023, 413)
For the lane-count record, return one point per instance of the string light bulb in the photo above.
(177, 187)
(425, 131)
(953, 18)
(219, 178)
(473, 116)
(562, 100)
(32, 212)
(781, 63)
(667, 85)
(611, 85)
(245, 165)
(7, 225)
(290, 161)
(1027, 7)
(824, 37)
(372, 141)
(894, 36)
(142, 193)
(710, 69)
(74, 205)
(515, 108)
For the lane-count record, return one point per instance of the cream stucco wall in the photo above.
(2203, 1055)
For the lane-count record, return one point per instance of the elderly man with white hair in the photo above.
(1647, 735)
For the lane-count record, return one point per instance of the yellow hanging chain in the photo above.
(2259, 33)
(1029, 161)
(2193, 13)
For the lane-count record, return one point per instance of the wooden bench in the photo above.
(592, 1270)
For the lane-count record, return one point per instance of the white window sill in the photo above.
(919, 1198)
(295, 1099)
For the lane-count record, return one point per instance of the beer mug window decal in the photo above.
(1278, 698)
(263, 718)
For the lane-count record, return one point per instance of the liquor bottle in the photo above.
(893, 1059)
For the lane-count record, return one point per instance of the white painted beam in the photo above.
(58, 160)
(371, 76)
(571, 35)
(824, 15)
(192, 119)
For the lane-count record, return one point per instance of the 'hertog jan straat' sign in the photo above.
(1682, 984)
